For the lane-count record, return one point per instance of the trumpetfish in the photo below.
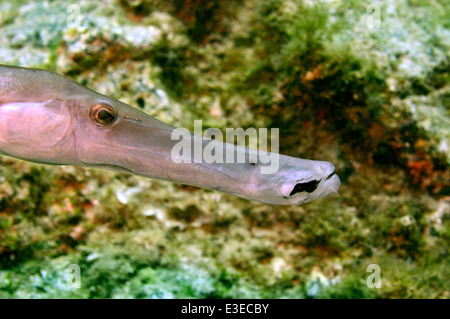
(48, 118)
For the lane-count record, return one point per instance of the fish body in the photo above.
(48, 118)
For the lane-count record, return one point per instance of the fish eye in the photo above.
(103, 114)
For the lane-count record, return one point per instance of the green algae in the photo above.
(374, 102)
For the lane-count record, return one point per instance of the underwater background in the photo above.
(361, 84)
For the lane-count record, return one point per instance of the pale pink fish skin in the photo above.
(46, 118)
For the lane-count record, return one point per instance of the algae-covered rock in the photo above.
(371, 96)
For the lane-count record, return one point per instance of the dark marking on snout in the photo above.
(308, 187)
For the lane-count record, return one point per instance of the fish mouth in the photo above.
(332, 182)
(329, 185)
(331, 175)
